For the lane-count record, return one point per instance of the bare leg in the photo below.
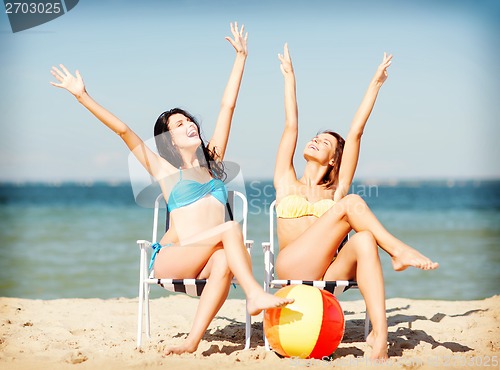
(308, 256)
(211, 300)
(241, 265)
(189, 258)
(355, 211)
(359, 260)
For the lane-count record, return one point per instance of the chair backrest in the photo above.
(270, 264)
(230, 208)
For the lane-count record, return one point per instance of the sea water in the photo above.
(79, 240)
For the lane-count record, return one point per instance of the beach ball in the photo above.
(310, 327)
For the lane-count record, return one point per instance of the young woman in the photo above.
(199, 243)
(315, 213)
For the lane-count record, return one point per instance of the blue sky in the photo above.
(437, 116)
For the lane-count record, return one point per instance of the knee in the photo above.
(353, 203)
(350, 201)
(233, 227)
(353, 199)
(364, 242)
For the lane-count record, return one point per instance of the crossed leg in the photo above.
(309, 257)
(351, 212)
(216, 254)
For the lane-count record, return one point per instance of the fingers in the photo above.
(64, 69)
(239, 39)
(234, 30)
(54, 84)
(63, 76)
(238, 33)
(231, 42)
(387, 59)
(57, 73)
(287, 52)
(285, 57)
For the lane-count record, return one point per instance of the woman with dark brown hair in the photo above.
(199, 243)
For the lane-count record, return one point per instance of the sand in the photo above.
(101, 334)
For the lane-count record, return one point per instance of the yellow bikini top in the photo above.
(294, 206)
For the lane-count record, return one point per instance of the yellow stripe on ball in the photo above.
(300, 322)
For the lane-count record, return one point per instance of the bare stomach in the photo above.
(194, 219)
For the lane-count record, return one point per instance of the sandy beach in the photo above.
(101, 334)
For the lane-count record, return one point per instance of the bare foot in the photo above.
(178, 350)
(379, 346)
(263, 301)
(410, 257)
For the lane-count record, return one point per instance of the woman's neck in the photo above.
(313, 174)
(189, 159)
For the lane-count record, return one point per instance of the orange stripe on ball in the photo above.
(272, 323)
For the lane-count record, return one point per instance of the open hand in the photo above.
(67, 81)
(239, 41)
(286, 62)
(381, 74)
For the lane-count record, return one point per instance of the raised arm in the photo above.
(353, 140)
(218, 142)
(284, 170)
(75, 85)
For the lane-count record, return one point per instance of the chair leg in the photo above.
(139, 314)
(248, 329)
(146, 299)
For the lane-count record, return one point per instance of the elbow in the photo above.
(355, 135)
(228, 106)
(291, 127)
(123, 132)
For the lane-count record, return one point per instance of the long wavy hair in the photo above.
(166, 149)
(332, 174)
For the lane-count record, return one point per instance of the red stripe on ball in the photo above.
(332, 328)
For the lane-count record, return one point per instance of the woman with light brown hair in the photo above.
(315, 211)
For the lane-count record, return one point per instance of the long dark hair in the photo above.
(166, 150)
(332, 174)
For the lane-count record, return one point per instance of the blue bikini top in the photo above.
(186, 192)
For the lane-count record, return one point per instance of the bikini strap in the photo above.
(180, 173)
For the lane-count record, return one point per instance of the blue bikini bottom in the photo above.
(156, 248)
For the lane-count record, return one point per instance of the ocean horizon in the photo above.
(78, 239)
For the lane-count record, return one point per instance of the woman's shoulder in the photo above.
(286, 188)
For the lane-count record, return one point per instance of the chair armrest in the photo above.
(249, 245)
(268, 265)
(266, 247)
(144, 244)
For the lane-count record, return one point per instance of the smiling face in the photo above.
(184, 132)
(321, 149)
